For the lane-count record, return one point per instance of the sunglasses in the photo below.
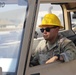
(47, 29)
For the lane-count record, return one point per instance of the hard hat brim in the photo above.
(43, 25)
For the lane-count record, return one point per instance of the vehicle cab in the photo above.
(20, 35)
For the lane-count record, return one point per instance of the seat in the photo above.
(70, 34)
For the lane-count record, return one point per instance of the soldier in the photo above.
(54, 47)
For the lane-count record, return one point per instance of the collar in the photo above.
(54, 45)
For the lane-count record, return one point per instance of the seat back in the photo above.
(69, 34)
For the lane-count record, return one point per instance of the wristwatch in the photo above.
(58, 55)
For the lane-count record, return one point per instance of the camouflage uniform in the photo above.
(62, 46)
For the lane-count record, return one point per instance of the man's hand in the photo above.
(53, 59)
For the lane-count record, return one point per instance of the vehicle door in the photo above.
(41, 8)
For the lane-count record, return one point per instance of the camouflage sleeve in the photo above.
(35, 55)
(69, 50)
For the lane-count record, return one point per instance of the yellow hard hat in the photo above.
(50, 20)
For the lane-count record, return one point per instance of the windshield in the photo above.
(12, 18)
